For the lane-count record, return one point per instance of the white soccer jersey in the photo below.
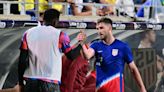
(44, 55)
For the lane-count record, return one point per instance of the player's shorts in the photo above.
(40, 86)
(112, 86)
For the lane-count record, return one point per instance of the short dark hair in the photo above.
(105, 20)
(50, 15)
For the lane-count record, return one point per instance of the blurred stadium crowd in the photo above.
(84, 7)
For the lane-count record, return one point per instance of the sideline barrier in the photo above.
(87, 25)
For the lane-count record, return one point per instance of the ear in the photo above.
(55, 22)
(110, 27)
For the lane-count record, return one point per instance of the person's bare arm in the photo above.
(77, 13)
(108, 9)
(88, 52)
(134, 70)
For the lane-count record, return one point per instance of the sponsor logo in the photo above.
(78, 24)
(158, 27)
(72, 24)
(154, 26)
(2, 24)
(119, 26)
(136, 26)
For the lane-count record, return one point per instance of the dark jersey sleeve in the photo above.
(128, 57)
(94, 44)
(64, 46)
(23, 59)
(64, 43)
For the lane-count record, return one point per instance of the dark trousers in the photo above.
(40, 86)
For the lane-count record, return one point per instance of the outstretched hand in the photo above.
(81, 37)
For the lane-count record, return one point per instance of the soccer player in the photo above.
(111, 56)
(40, 61)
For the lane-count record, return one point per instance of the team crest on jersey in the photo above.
(114, 52)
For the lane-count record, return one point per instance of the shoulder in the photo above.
(96, 41)
(48, 28)
(52, 28)
(29, 30)
(122, 44)
(63, 34)
(64, 37)
(34, 29)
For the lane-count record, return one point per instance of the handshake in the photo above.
(81, 37)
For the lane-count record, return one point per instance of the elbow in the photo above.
(134, 70)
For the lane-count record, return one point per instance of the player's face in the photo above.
(152, 36)
(103, 30)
